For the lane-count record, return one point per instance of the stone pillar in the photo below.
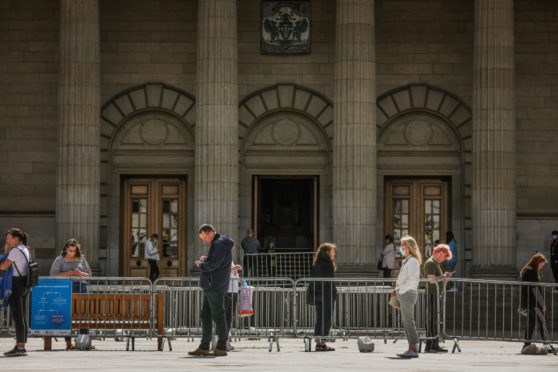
(354, 140)
(216, 171)
(494, 196)
(78, 167)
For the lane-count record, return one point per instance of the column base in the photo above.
(494, 272)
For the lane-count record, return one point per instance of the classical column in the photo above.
(78, 167)
(216, 177)
(354, 140)
(494, 200)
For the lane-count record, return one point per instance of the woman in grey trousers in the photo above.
(406, 292)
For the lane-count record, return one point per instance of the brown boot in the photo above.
(199, 352)
(219, 352)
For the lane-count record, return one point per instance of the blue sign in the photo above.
(51, 307)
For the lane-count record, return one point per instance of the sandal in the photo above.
(70, 347)
(324, 347)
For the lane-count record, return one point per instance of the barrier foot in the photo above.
(455, 345)
(271, 340)
(307, 344)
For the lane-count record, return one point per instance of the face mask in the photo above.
(401, 251)
(554, 237)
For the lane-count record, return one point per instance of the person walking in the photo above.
(433, 272)
(72, 263)
(152, 256)
(406, 292)
(532, 298)
(250, 247)
(18, 255)
(325, 292)
(215, 272)
(389, 255)
(554, 257)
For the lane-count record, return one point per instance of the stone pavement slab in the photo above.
(253, 355)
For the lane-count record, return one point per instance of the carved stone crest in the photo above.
(285, 27)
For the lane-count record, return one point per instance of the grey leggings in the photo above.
(407, 303)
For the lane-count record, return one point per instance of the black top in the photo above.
(531, 296)
(250, 245)
(216, 269)
(324, 269)
(554, 252)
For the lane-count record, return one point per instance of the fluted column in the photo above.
(78, 167)
(354, 140)
(494, 195)
(216, 177)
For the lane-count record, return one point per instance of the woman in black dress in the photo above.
(325, 292)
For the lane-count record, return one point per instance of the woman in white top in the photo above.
(18, 255)
(388, 262)
(231, 298)
(406, 292)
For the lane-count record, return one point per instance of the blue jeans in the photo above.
(213, 310)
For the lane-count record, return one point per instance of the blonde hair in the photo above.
(413, 247)
(533, 263)
(323, 253)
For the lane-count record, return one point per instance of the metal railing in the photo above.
(292, 265)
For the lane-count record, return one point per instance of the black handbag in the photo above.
(381, 262)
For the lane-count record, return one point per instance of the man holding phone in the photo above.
(433, 272)
(215, 272)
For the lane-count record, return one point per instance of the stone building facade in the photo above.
(125, 117)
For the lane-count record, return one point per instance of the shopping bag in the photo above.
(245, 301)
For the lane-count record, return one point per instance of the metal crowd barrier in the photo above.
(292, 265)
(170, 308)
(489, 310)
(271, 304)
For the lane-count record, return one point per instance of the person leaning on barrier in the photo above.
(407, 294)
(72, 263)
(433, 272)
(17, 253)
(325, 292)
(532, 298)
(152, 257)
(250, 246)
(215, 272)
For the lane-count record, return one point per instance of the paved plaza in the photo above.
(252, 355)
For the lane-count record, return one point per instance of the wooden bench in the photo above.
(111, 311)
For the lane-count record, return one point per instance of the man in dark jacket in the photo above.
(215, 272)
(554, 257)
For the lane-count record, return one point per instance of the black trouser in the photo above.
(387, 272)
(230, 307)
(535, 316)
(153, 270)
(324, 310)
(213, 310)
(18, 304)
(250, 265)
(554, 267)
(431, 321)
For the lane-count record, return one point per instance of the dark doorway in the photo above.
(286, 212)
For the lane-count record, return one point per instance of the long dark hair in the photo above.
(71, 243)
(18, 233)
(449, 237)
(323, 254)
(533, 263)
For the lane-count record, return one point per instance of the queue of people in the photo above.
(220, 280)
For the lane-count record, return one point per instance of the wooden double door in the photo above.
(154, 205)
(417, 207)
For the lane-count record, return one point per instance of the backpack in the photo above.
(32, 271)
